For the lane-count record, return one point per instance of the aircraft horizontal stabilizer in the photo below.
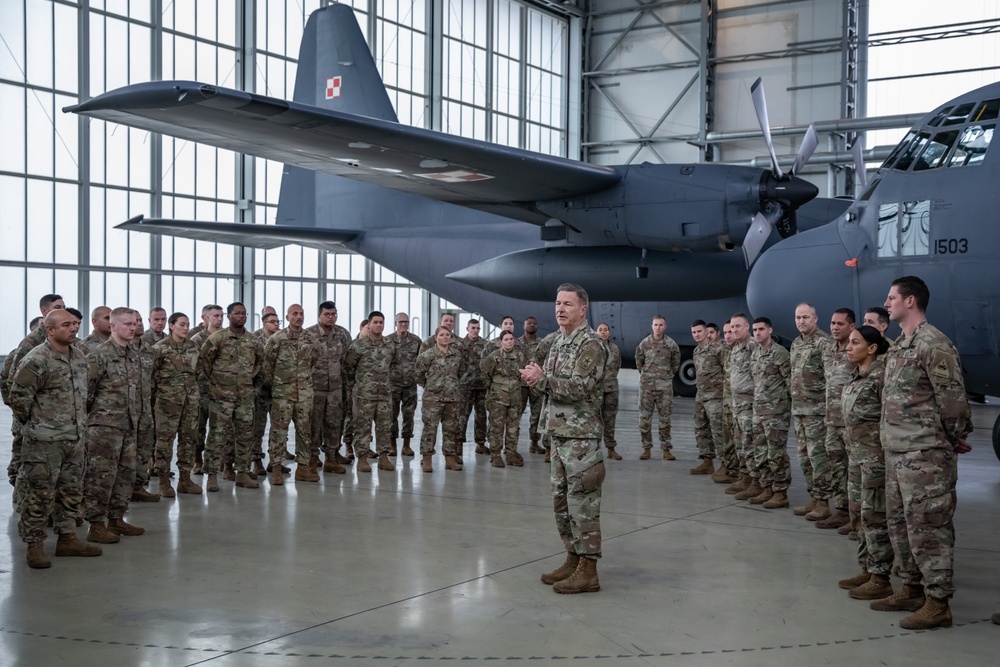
(265, 237)
(410, 159)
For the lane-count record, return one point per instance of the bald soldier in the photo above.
(100, 322)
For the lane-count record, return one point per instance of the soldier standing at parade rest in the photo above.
(837, 372)
(741, 386)
(529, 340)
(440, 371)
(925, 423)
(710, 367)
(862, 406)
(328, 388)
(100, 322)
(269, 325)
(501, 375)
(475, 348)
(48, 396)
(404, 383)
(369, 364)
(771, 413)
(729, 466)
(175, 384)
(211, 316)
(657, 359)
(146, 435)
(609, 396)
(570, 382)
(157, 325)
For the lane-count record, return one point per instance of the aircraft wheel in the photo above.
(684, 381)
(996, 437)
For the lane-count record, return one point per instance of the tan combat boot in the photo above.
(535, 448)
(385, 464)
(820, 511)
(564, 571)
(212, 485)
(407, 450)
(766, 493)
(100, 533)
(244, 480)
(777, 501)
(739, 485)
(802, 510)
(482, 449)
(876, 588)
(613, 454)
(141, 495)
(645, 453)
(258, 468)
(720, 476)
(855, 581)
(229, 473)
(668, 455)
(909, 598)
(392, 449)
(706, 467)
(331, 465)
(451, 462)
(70, 545)
(121, 527)
(187, 485)
(497, 461)
(583, 580)
(276, 478)
(166, 489)
(836, 520)
(37, 558)
(199, 463)
(751, 491)
(425, 463)
(363, 465)
(515, 459)
(934, 614)
(305, 473)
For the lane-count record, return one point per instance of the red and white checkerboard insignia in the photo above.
(456, 176)
(332, 87)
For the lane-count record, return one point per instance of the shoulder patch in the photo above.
(941, 366)
(590, 356)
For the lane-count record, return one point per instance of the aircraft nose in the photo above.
(808, 267)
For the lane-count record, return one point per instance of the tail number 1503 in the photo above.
(951, 246)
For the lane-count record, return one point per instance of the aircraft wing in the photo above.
(251, 236)
(439, 166)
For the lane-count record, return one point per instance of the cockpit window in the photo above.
(937, 148)
(898, 149)
(915, 148)
(989, 110)
(972, 145)
(941, 115)
(959, 114)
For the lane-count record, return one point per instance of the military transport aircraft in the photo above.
(490, 228)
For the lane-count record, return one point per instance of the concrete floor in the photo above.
(396, 568)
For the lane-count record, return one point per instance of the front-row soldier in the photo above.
(501, 374)
(770, 368)
(609, 395)
(440, 370)
(710, 368)
(657, 359)
(48, 395)
(404, 383)
(570, 383)
(369, 363)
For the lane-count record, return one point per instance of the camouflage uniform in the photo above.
(289, 360)
(730, 461)
(541, 354)
(369, 366)
(771, 412)
(261, 409)
(500, 373)
(328, 389)
(203, 392)
(925, 413)
(837, 371)
(809, 412)
(862, 407)
(145, 439)
(231, 363)
(27, 344)
(527, 397)
(609, 396)
(90, 343)
(474, 390)
(404, 383)
(571, 416)
(48, 395)
(657, 362)
(441, 374)
(742, 386)
(710, 369)
(114, 395)
(175, 381)
(151, 338)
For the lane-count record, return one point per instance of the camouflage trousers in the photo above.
(743, 438)
(230, 423)
(810, 433)
(728, 454)
(51, 474)
(836, 454)
(261, 410)
(203, 410)
(475, 399)
(505, 427)
(609, 417)
(577, 474)
(347, 422)
(662, 401)
(404, 400)
(327, 422)
(920, 506)
(866, 500)
(448, 415)
(535, 402)
(110, 474)
(708, 427)
(365, 412)
(15, 451)
(178, 417)
(283, 412)
(145, 444)
(771, 466)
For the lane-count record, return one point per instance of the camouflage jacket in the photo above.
(27, 344)
(289, 360)
(611, 368)
(91, 342)
(475, 351)
(369, 366)
(808, 382)
(145, 352)
(8, 365)
(175, 367)
(573, 372)
(113, 386)
(440, 374)
(837, 370)
(924, 405)
(328, 375)
(544, 345)
(404, 374)
(431, 341)
(657, 362)
(48, 394)
(231, 363)
(195, 330)
(770, 369)
(861, 404)
(740, 375)
(710, 369)
(727, 386)
(151, 338)
(501, 375)
(199, 342)
(528, 348)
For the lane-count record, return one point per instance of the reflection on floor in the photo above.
(392, 568)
